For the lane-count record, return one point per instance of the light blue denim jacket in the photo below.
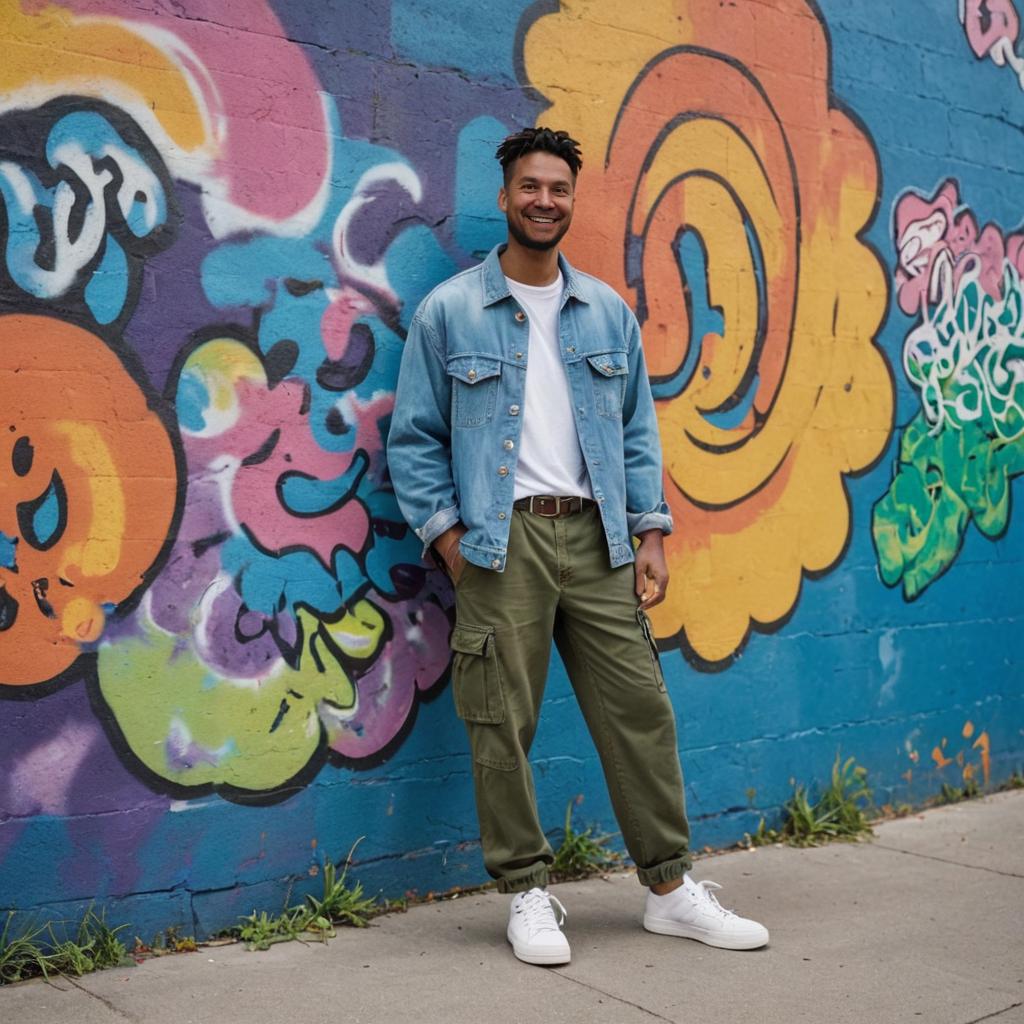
(454, 437)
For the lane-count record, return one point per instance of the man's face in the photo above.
(537, 202)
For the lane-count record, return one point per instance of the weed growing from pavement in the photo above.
(954, 794)
(838, 814)
(580, 854)
(50, 949)
(315, 917)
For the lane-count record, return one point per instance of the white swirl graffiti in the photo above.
(965, 357)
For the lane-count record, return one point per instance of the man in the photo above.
(524, 450)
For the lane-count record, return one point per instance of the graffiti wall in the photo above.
(223, 659)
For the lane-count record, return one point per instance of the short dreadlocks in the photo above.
(545, 140)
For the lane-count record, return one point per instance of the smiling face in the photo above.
(88, 486)
(537, 200)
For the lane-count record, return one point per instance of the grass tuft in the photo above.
(47, 949)
(954, 794)
(839, 814)
(580, 854)
(315, 917)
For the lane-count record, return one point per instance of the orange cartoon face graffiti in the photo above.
(88, 481)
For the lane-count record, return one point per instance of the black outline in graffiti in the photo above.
(631, 262)
(25, 133)
(31, 128)
(354, 668)
(897, 431)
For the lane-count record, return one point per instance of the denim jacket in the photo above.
(454, 437)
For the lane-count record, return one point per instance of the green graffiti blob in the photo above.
(958, 456)
(196, 728)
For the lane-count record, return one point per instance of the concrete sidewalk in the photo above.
(925, 924)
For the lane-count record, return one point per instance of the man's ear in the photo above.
(502, 199)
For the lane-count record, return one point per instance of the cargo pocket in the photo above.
(476, 684)
(652, 647)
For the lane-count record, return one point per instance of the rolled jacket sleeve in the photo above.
(419, 441)
(645, 496)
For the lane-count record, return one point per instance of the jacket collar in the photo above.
(496, 287)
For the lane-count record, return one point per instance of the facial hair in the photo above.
(539, 245)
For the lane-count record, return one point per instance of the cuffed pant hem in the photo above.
(668, 871)
(535, 878)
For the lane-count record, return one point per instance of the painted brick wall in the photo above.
(221, 658)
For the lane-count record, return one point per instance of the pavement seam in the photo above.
(998, 1013)
(946, 860)
(618, 999)
(103, 999)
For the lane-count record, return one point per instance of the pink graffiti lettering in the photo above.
(936, 239)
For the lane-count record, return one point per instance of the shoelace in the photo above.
(538, 916)
(705, 892)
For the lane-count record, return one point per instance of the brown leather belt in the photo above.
(553, 507)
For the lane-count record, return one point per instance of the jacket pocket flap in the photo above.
(609, 364)
(473, 369)
(471, 639)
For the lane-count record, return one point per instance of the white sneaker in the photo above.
(533, 931)
(692, 911)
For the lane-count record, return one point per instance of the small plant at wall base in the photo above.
(580, 854)
(954, 794)
(315, 917)
(47, 949)
(838, 814)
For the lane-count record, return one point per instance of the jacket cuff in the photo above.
(436, 525)
(641, 522)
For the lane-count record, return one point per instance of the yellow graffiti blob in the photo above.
(112, 62)
(707, 132)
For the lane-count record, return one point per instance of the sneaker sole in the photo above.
(540, 958)
(662, 927)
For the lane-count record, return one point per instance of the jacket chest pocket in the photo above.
(475, 381)
(608, 373)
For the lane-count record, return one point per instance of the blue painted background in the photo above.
(856, 669)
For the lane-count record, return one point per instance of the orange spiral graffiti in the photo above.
(723, 195)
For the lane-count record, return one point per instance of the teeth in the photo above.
(542, 220)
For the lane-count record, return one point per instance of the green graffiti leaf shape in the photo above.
(942, 482)
(919, 523)
(194, 727)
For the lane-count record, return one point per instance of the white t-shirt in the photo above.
(550, 457)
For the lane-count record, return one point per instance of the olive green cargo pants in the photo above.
(557, 583)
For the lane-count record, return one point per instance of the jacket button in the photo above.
(571, 348)
(471, 375)
(509, 445)
(519, 355)
(520, 316)
(501, 515)
(495, 564)
(503, 471)
(513, 410)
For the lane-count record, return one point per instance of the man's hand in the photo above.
(447, 546)
(651, 569)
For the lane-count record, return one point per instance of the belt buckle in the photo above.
(546, 515)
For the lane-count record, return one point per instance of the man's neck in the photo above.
(529, 266)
